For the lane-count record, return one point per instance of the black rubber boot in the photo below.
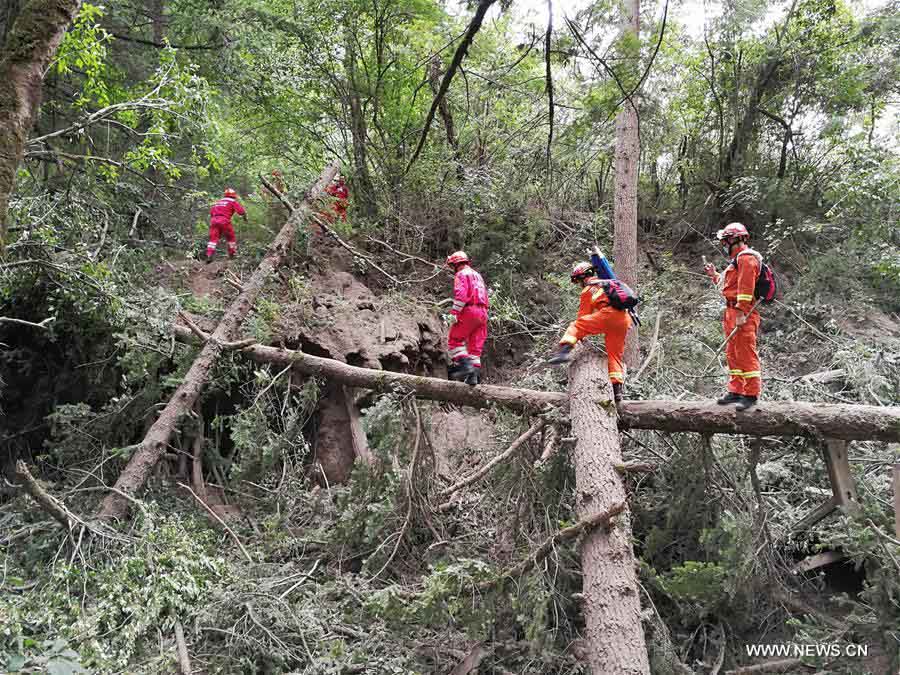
(562, 355)
(208, 259)
(730, 397)
(474, 378)
(461, 370)
(745, 402)
(618, 391)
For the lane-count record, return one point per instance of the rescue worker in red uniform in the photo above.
(220, 223)
(596, 316)
(338, 190)
(468, 321)
(738, 284)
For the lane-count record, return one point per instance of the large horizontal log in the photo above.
(848, 422)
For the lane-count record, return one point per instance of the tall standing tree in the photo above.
(625, 250)
(29, 45)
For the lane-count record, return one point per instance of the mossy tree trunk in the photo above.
(31, 41)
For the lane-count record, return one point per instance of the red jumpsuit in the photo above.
(596, 316)
(470, 305)
(341, 195)
(220, 224)
(740, 352)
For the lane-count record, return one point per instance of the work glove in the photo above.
(452, 319)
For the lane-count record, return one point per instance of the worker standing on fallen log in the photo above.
(468, 321)
(604, 308)
(741, 321)
(220, 223)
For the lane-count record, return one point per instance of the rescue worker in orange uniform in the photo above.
(468, 320)
(596, 316)
(738, 284)
(220, 223)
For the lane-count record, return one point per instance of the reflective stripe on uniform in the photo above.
(743, 297)
(616, 374)
(750, 374)
(458, 304)
(476, 361)
(458, 352)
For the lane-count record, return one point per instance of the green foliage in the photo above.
(110, 610)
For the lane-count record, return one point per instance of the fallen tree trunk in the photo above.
(841, 421)
(182, 402)
(612, 608)
(846, 422)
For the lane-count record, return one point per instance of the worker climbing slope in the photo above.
(741, 322)
(468, 320)
(220, 215)
(338, 189)
(604, 308)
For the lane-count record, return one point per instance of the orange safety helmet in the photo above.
(732, 230)
(457, 258)
(276, 172)
(581, 271)
(230, 193)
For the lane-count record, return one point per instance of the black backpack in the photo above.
(619, 294)
(766, 285)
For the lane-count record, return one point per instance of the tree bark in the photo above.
(841, 421)
(612, 608)
(156, 441)
(30, 44)
(625, 250)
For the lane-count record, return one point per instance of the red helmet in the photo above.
(732, 230)
(230, 193)
(581, 271)
(276, 172)
(457, 258)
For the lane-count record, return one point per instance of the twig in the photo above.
(271, 188)
(195, 329)
(184, 661)
(43, 324)
(50, 504)
(722, 346)
(779, 666)
(413, 463)
(334, 235)
(653, 344)
(509, 452)
(220, 521)
(566, 534)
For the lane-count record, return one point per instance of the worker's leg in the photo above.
(213, 241)
(231, 239)
(735, 372)
(476, 339)
(589, 324)
(746, 356)
(457, 340)
(615, 326)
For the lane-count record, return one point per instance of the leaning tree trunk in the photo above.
(30, 44)
(625, 209)
(612, 608)
(182, 402)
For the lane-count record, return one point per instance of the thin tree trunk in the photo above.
(625, 248)
(30, 44)
(458, 56)
(156, 441)
(362, 181)
(612, 608)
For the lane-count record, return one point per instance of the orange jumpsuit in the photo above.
(740, 352)
(596, 316)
